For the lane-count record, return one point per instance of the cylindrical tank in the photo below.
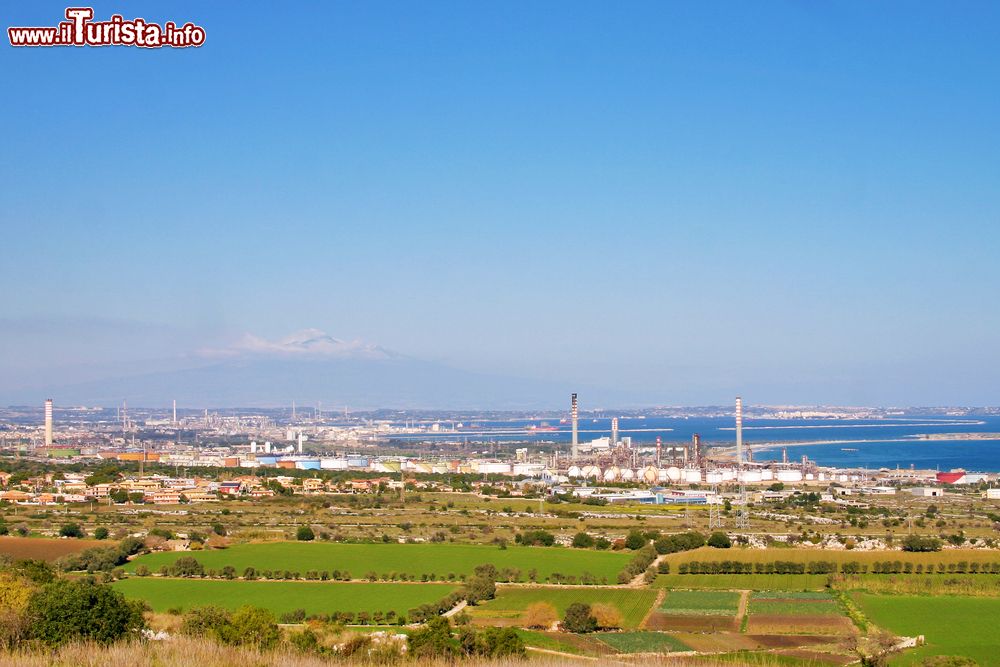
(612, 473)
(267, 460)
(789, 476)
(767, 474)
(692, 476)
(662, 476)
(810, 476)
(357, 462)
(751, 476)
(713, 477)
(308, 464)
(574, 471)
(493, 468)
(333, 464)
(674, 474)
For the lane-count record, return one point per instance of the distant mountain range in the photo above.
(311, 366)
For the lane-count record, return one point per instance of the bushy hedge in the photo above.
(830, 567)
(643, 558)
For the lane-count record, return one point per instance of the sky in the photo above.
(792, 201)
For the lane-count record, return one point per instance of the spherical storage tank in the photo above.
(674, 474)
(611, 474)
(628, 474)
(574, 471)
(650, 475)
(591, 472)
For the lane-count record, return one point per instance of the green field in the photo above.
(952, 625)
(791, 582)
(511, 601)
(413, 559)
(701, 603)
(794, 607)
(642, 642)
(281, 596)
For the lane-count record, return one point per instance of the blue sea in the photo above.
(879, 443)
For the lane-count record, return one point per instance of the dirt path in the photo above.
(562, 654)
(742, 611)
(652, 610)
(638, 581)
(457, 608)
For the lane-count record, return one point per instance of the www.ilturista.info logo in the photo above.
(81, 30)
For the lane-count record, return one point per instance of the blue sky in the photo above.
(793, 201)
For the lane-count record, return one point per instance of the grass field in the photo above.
(799, 555)
(698, 603)
(280, 596)
(980, 585)
(45, 548)
(642, 642)
(413, 559)
(952, 625)
(511, 601)
(791, 582)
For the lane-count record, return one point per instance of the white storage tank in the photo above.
(611, 474)
(752, 476)
(674, 474)
(574, 471)
(650, 475)
(789, 475)
(810, 476)
(493, 468)
(591, 472)
(767, 475)
(713, 477)
(692, 476)
(628, 474)
(333, 464)
(662, 475)
(728, 475)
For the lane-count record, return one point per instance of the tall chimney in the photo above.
(48, 422)
(614, 431)
(576, 425)
(175, 412)
(659, 450)
(739, 431)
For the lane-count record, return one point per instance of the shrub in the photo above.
(101, 533)
(635, 540)
(583, 541)
(433, 641)
(305, 534)
(67, 610)
(719, 540)
(71, 530)
(531, 538)
(186, 566)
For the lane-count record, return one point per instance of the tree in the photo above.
(66, 610)
(635, 540)
(583, 541)
(719, 540)
(219, 529)
(71, 530)
(187, 566)
(578, 618)
(606, 616)
(305, 534)
(101, 533)
(540, 615)
(918, 543)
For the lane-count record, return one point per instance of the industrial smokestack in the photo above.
(48, 422)
(659, 450)
(175, 412)
(576, 425)
(739, 431)
(614, 431)
(696, 442)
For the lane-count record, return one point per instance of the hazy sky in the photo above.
(798, 202)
